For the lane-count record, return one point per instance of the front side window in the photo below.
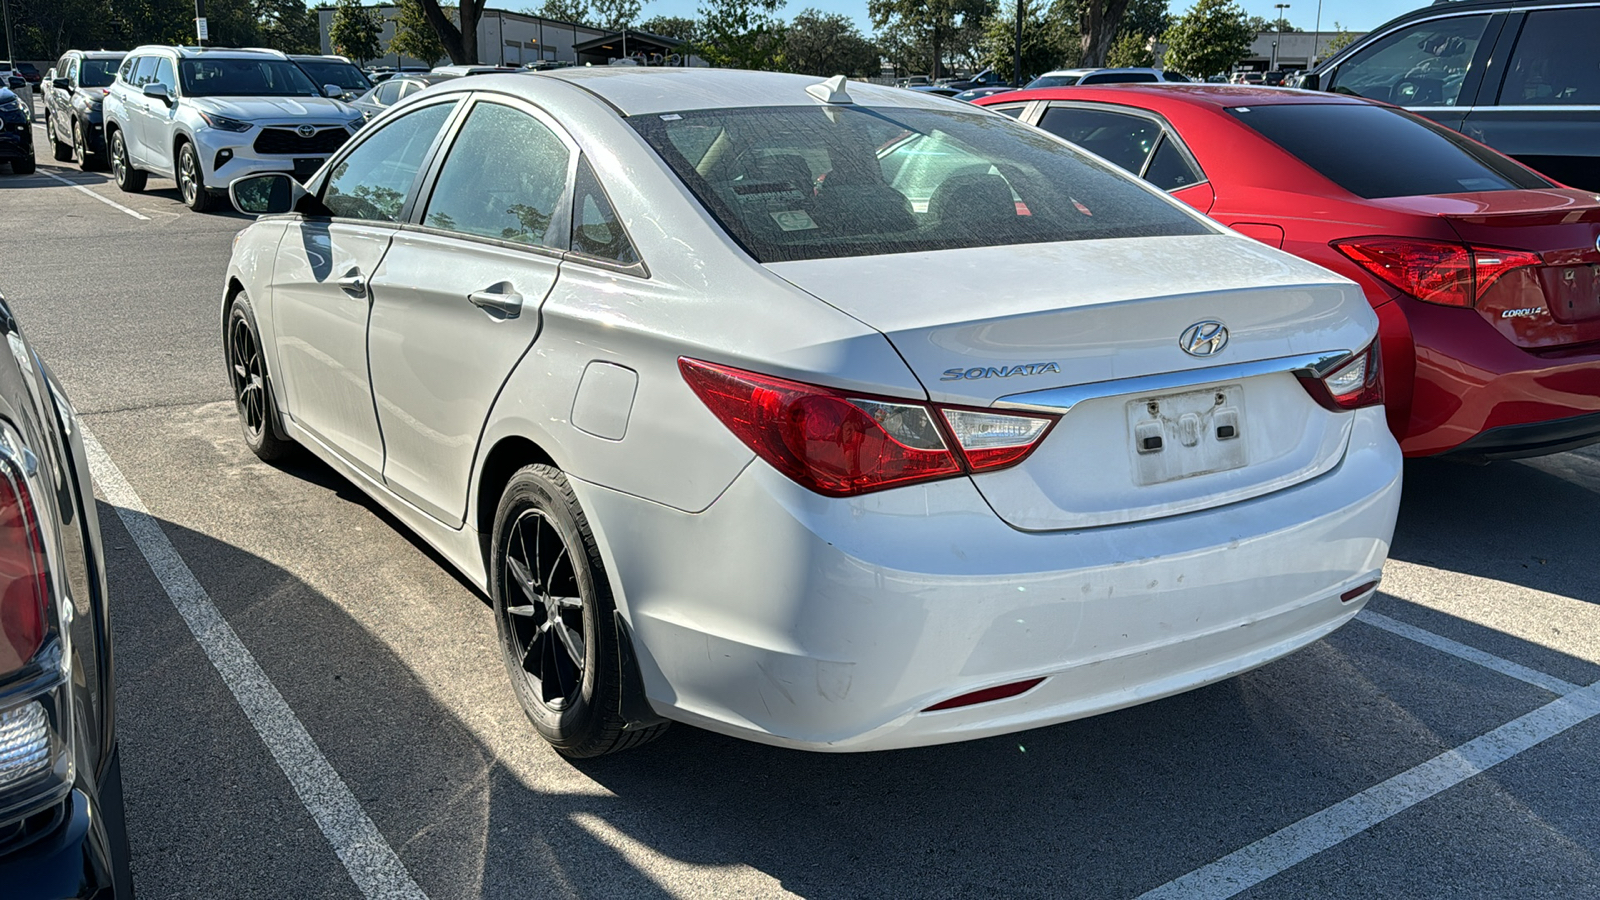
(388, 93)
(1554, 63)
(809, 182)
(211, 77)
(1420, 65)
(374, 181)
(1376, 151)
(163, 74)
(504, 179)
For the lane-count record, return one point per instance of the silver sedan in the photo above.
(821, 414)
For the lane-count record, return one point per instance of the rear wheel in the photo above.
(191, 180)
(127, 177)
(252, 391)
(62, 152)
(554, 611)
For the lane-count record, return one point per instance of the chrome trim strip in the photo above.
(1536, 107)
(1062, 399)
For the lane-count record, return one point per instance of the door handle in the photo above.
(354, 284)
(507, 305)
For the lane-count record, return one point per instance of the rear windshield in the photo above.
(98, 72)
(1375, 151)
(809, 182)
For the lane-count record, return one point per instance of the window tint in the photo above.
(1044, 81)
(163, 74)
(1014, 110)
(1375, 151)
(373, 181)
(503, 179)
(1555, 62)
(595, 228)
(1119, 78)
(1168, 169)
(1422, 65)
(94, 72)
(144, 67)
(1122, 139)
(126, 71)
(388, 93)
(812, 183)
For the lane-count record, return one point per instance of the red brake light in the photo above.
(24, 575)
(1435, 271)
(1354, 384)
(842, 445)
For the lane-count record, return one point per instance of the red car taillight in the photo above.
(841, 445)
(1435, 271)
(1356, 383)
(24, 573)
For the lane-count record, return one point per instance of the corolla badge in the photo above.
(999, 371)
(306, 131)
(1204, 338)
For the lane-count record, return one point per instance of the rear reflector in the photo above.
(840, 445)
(987, 694)
(1435, 271)
(24, 575)
(1356, 592)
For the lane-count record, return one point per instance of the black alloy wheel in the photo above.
(252, 393)
(554, 613)
(127, 177)
(191, 180)
(87, 161)
(62, 152)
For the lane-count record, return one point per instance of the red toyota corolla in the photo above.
(1485, 274)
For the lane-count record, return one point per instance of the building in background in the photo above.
(1289, 50)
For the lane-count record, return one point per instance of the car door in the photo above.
(456, 303)
(1431, 67)
(1545, 112)
(321, 295)
(1136, 141)
(133, 101)
(158, 128)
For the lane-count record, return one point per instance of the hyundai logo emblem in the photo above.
(1204, 338)
(306, 131)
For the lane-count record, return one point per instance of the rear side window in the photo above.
(1554, 63)
(808, 182)
(1376, 151)
(596, 231)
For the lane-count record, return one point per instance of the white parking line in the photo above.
(1249, 866)
(1472, 654)
(112, 203)
(367, 857)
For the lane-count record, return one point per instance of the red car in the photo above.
(1485, 274)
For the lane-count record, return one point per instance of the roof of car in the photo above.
(1198, 94)
(99, 54)
(636, 90)
(1093, 69)
(223, 52)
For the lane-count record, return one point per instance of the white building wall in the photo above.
(503, 37)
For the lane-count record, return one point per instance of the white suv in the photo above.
(205, 117)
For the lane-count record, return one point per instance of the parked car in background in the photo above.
(205, 116)
(394, 90)
(1273, 78)
(62, 832)
(1484, 273)
(25, 70)
(974, 93)
(988, 78)
(16, 127)
(1070, 77)
(13, 81)
(474, 70)
(74, 103)
(1521, 78)
(850, 360)
(325, 70)
(937, 90)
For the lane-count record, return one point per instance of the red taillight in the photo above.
(1354, 384)
(24, 575)
(841, 445)
(1435, 271)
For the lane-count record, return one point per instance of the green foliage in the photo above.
(678, 27)
(740, 34)
(575, 11)
(414, 37)
(44, 29)
(288, 26)
(937, 25)
(615, 15)
(1208, 39)
(355, 31)
(1048, 40)
(1146, 17)
(1261, 23)
(1132, 48)
(819, 43)
(1343, 39)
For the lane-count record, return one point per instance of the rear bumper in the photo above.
(1533, 439)
(787, 618)
(74, 859)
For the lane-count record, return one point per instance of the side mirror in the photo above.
(15, 82)
(159, 91)
(61, 83)
(265, 195)
(332, 90)
(1310, 82)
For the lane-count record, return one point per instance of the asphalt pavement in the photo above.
(1444, 745)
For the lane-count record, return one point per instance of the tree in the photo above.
(1132, 48)
(1098, 21)
(1259, 24)
(1146, 17)
(676, 27)
(740, 34)
(355, 30)
(1344, 38)
(911, 22)
(460, 41)
(1046, 40)
(574, 11)
(615, 15)
(1208, 39)
(819, 43)
(414, 37)
(287, 25)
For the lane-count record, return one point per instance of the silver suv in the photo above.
(205, 117)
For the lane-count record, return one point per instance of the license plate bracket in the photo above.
(1181, 435)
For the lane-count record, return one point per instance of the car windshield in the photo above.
(244, 78)
(1377, 151)
(1044, 81)
(98, 72)
(808, 182)
(343, 74)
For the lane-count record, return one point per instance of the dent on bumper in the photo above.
(784, 617)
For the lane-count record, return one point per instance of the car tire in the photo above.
(192, 180)
(62, 152)
(88, 162)
(128, 178)
(252, 386)
(550, 593)
(23, 166)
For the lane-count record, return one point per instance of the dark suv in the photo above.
(16, 126)
(72, 101)
(1519, 76)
